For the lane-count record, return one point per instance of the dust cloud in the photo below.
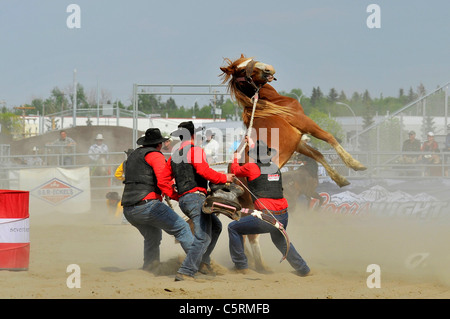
(412, 256)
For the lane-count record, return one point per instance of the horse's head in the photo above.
(246, 73)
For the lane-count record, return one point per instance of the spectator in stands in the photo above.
(411, 145)
(430, 145)
(430, 148)
(66, 146)
(98, 150)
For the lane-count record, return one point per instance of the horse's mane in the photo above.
(264, 108)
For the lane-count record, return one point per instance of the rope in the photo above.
(269, 213)
(250, 126)
(256, 198)
(249, 129)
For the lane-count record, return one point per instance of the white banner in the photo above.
(57, 189)
(14, 230)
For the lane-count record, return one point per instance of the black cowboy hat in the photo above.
(183, 126)
(152, 136)
(262, 152)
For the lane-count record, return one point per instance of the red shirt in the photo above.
(429, 146)
(157, 161)
(197, 157)
(252, 171)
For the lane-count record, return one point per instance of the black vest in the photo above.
(267, 185)
(140, 180)
(186, 177)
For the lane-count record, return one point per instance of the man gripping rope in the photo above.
(265, 185)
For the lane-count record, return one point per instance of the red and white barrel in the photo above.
(14, 230)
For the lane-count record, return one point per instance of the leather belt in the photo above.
(143, 202)
(277, 212)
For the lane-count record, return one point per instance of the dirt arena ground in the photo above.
(413, 257)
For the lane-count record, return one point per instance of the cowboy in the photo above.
(265, 185)
(142, 199)
(211, 147)
(167, 147)
(98, 149)
(191, 171)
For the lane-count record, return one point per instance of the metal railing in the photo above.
(102, 178)
(379, 165)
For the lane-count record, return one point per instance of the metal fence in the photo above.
(428, 113)
(379, 165)
(102, 178)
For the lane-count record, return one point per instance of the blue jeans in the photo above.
(150, 219)
(250, 225)
(207, 228)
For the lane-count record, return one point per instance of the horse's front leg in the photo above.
(256, 253)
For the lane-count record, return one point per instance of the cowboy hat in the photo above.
(152, 136)
(186, 126)
(261, 151)
(209, 133)
(99, 137)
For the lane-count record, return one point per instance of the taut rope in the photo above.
(249, 129)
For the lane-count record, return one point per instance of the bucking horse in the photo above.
(279, 121)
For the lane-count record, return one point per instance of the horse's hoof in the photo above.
(343, 182)
(359, 167)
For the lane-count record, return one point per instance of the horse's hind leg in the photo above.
(307, 150)
(315, 130)
(348, 159)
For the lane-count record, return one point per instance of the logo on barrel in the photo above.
(55, 191)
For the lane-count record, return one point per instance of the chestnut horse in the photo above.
(278, 120)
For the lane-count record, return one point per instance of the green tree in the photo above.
(356, 98)
(428, 124)
(328, 124)
(316, 96)
(60, 101)
(38, 105)
(342, 97)
(411, 95)
(332, 96)
(366, 99)
(10, 124)
(82, 102)
(170, 105)
(421, 91)
(149, 103)
(231, 110)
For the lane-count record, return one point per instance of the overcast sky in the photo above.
(324, 43)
